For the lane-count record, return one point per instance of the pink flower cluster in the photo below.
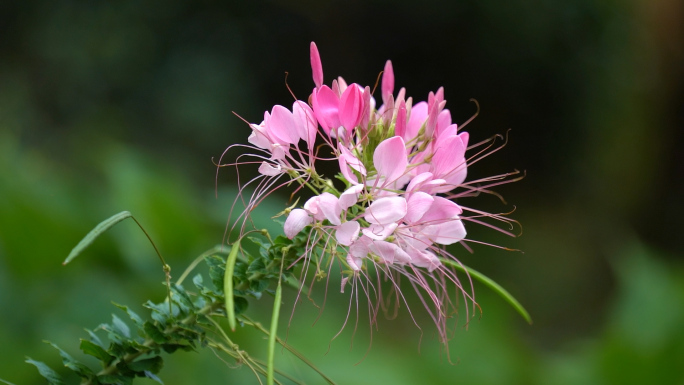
(416, 154)
(402, 165)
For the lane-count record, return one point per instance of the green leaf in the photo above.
(217, 269)
(6, 382)
(160, 312)
(75, 366)
(96, 351)
(94, 338)
(241, 305)
(153, 365)
(228, 284)
(94, 233)
(131, 314)
(50, 375)
(153, 332)
(120, 327)
(259, 285)
(492, 285)
(257, 266)
(182, 298)
(152, 376)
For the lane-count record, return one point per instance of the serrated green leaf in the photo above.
(492, 285)
(217, 269)
(69, 362)
(153, 365)
(120, 327)
(152, 376)
(131, 314)
(259, 285)
(160, 312)
(182, 298)
(257, 266)
(282, 240)
(241, 305)
(50, 375)
(94, 338)
(94, 233)
(96, 351)
(152, 331)
(198, 281)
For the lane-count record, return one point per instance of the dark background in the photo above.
(111, 106)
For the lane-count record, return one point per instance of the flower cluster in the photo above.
(401, 165)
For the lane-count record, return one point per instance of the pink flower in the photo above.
(402, 165)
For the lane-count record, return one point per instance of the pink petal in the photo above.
(449, 158)
(312, 207)
(359, 249)
(390, 159)
(350, 196)
(347, 162)
(305, 122)
(326, 108)
(446, 233)
(365, 116)
(441, 210)
(327, 204)
(425, 259)
(386, 210)
(464, 138)
(316, 66)
(418, 181)
(379, 232)
(347, 233)
(387, 81)
(390, 252)
(354, 263)
(351, 107)
(296, 221)
(443, 121)
(418, 203)
(258, 137)
(282, 126)
(419, 113)
(270, 170)
(388, 111)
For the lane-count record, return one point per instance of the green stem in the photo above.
(228, 284)
(492, 285)
(274, 330)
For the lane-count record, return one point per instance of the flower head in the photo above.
(402, 168)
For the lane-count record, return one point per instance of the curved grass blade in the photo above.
(94, 233)
(228, 284)
(492, 285)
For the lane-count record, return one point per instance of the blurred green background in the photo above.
(109, 106)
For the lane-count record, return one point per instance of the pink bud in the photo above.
(316, 66)
(387, 81)
(400, 124)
